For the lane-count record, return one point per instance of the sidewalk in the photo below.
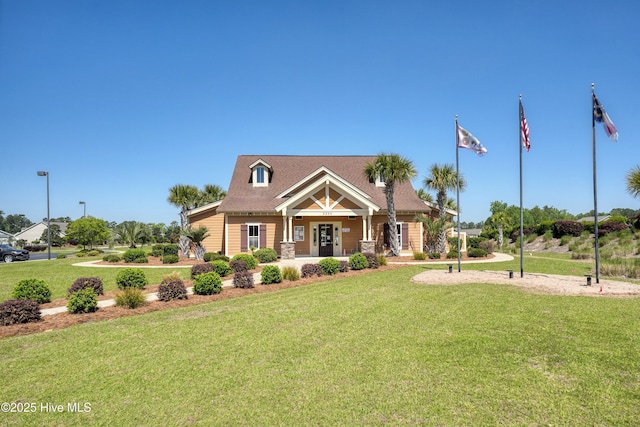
(297, 263)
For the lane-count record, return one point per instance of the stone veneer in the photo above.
(287, 250)
(367, 246)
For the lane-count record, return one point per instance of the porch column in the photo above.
(290, 229)
(364, 228)
(284, 228)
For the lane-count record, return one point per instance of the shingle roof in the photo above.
(242, 196)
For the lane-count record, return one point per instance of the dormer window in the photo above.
(380, 180)
(260, 174)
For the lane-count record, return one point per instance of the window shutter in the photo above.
(405, 236)
(244, 237)
(263, 235)
(386, 234)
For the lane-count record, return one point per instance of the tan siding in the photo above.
(351, 240)
(307, 204)
(347, 204)
(414, 233)
(274, 231)
(215, 224)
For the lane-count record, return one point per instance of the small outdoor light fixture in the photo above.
(85, 208)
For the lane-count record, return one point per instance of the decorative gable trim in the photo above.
(261, 173)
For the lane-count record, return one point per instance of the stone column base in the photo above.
(368, 246)
(287, 250)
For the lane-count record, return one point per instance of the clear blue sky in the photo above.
(120, 100)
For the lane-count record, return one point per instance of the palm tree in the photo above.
(129, 232)
(432, 228)
(427, 197)
(197, 236)
(211, 193)
(185, 197)
(633, 181)
(392, 169)
(442, 179)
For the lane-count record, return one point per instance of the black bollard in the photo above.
(450, 268)
(510, 274)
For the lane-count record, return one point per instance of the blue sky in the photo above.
(120, 100)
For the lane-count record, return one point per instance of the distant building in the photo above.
(602, 218)
(34, 233)
(6, 237)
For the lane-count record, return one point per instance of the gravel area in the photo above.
(533, 282)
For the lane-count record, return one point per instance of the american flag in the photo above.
(524, 130)
(601, 116)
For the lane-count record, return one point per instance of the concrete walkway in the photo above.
(297, 263)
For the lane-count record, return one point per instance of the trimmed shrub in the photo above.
(567, 228)
(290, 273)
(543, 227)
(221, 267)
(61, 256)
(132, 255)
(329, 266)
(310, 270)
(131, 278)
(141, 260)
(130, 297)
(611, 227)
(93, 252)
(474, 242)
(171, 249)
(83, 300)
(243, 279)
(171, 289)
(382, 260)
(94, 283)
(372, 259)
(207, 284)
(251, 261)
(19, 311)
(202, 268)
(212, 256)
(170, 259)
(476, 253)
(238, 265)
(488, 246)
(344, 266)
(270, 274)
(419, 256)
(33, 289)
(358, 261)
(265, 255)
(453, 253)
(434, 255)
(157, 250)
(111, 258)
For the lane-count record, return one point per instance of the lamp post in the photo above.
(44, 173)
(85, 208)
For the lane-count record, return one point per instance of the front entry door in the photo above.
(326, 240)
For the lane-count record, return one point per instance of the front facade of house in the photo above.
(309, 206)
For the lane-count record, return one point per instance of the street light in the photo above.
(43, 173)
(85, 208)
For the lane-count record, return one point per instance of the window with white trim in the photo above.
(260, 176)
(253, 235)
(399, 229)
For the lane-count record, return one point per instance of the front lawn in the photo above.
(375, 349)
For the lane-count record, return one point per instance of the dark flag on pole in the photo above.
(601, 116)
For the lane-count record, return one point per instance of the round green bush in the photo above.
(251, 261)
(170, 259)
(329, 266)
(33, 289)
(270, 274)
(207, 284)
(61, 256)
(476, 253)
(132, 255)
(111, 258)
(141, 260)
(83, 301)
(131, 278)
(221, 267)
(93, 252)
(212, 256)
(266, 255)
(453, 253)
(358, 261)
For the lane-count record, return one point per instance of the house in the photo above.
(6, 237)
(34, 233)
(309, 206)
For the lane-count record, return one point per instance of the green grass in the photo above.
(59, 274)
(375, 349)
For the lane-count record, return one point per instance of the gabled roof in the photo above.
(288, 172)
(5, 235)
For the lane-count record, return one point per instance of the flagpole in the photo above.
(458, 190)
(595, 185)
(521, 210)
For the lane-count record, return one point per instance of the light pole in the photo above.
(85, 208)
(44, 173)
